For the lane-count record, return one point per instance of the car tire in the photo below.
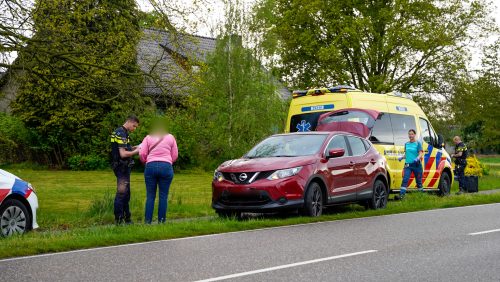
(14, 218)
(228, 214)
(379, 195)
(313, 200)
(444, 184)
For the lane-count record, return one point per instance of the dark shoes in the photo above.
(399, 197)
(120, 221)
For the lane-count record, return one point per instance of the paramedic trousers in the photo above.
(416, 169)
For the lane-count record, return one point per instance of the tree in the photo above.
(476, 106)
(84, 70)
(376, 46)
(236, 102)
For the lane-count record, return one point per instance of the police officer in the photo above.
(122, 162)
(460, 156)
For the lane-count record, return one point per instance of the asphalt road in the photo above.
(438, 245)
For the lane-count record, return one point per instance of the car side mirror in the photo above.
(335, 153)
(440, 141)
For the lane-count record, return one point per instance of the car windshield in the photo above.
(287, 146)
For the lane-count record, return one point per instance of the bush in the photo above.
(475, 167)
(14, 140)
(90, 162)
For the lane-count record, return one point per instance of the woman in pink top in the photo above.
(158, 151)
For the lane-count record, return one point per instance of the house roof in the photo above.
(158, 53)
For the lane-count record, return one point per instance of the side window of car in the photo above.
(357, 146)
(367, 144)
(382, 130)
(338, 142)
(400, 126)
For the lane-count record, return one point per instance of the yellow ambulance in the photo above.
(389, 132)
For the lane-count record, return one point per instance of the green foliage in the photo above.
(90, 162)
(372, 45)
(236, 103)
(14, 139)
(476, 105)
(66, 95)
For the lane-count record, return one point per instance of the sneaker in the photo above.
(399, 197)
(460, 192)
(128, 221)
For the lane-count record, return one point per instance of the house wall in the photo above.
(8, 93)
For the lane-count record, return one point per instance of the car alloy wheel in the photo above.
(14, 218)
(313, 205)
(379, 197)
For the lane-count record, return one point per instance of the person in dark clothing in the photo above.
(122, 162)
(460, 156)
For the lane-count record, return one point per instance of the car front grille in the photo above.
(246, 177)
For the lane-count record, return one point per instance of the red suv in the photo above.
(304, 171)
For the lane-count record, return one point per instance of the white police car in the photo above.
(18, 204)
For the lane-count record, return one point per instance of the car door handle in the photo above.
(372, 161)
(352, 163)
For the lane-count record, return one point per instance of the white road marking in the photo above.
(484, 232)
(284, 266)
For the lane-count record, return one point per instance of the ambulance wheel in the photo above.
(444, 184)
(14, 218)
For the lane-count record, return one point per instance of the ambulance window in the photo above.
(427, 133)
(400, 126)
(304, 122)
(382, 130)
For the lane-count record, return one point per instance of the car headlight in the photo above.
(283, 173)
(218, 175)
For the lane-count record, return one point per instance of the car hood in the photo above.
(265, 164)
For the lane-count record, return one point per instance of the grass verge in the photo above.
(39, 242)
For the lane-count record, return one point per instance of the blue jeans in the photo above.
(416, 169)
(122, 197)
(157, 174)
